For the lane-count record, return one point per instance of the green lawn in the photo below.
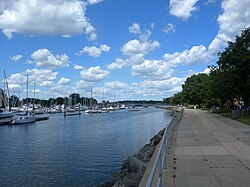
(243, 119)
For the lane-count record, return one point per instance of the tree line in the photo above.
(228, 81)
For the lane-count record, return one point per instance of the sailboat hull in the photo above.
(23, 120)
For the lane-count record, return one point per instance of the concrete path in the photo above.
(211, 150)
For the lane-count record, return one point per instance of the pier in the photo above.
(205, 150)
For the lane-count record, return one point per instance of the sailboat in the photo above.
(92, 111)
(27, 118)
(5, 98)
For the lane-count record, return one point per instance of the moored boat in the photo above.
(27, 118)
(5, 114)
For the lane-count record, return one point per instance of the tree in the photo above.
(74, 98)
(195, 89)
(234, 68)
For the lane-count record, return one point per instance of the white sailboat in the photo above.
(4, 96)
(27, 118)
(5, 114)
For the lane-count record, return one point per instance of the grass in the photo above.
(228, 113)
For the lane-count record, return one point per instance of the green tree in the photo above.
(233, 71)
(195, 89)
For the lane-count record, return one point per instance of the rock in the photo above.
(133, 168)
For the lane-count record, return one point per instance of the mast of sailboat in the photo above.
(34, 98)
(27, 93)
(91, 99)
(7, 92)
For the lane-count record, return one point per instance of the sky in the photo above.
(122, 49)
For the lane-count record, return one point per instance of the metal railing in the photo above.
(160, 160)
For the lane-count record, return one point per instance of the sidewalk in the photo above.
(211, 150)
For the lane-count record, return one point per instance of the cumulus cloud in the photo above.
(14, 86)
(44, 17)
(94, 51)
(16, 57)
(45, 58)
(153, 69)
(135, 28)
(121, 63)
(197, 54)
(234, 18)
(78, 67)
(94, 74)
(47, 84)
(40, 75)
(92, 2)
(209, 2)
(17, 78)
(171, 84)
(182, 8)
(64, 81)
(133, 47)
(117, 85)
(84, 85)
(170, 28)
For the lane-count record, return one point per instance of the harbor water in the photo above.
(76, 150)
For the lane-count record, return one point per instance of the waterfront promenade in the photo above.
(209, 150)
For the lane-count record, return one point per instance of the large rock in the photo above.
(133, 168)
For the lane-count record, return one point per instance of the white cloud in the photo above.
(117, 64)
(209, 2)
(36, 91)
(153, 69)
(207, 71)
(182, 8)
(47, 84)
(196, 55)
(234, 18)
(92, 2)
(116, 85)
(94, 51)
(133, 47)
(16, 57)
(94, 74)
(44, 17)
(40, 75)
(45, 58)
(14, 86)
(171, 85)
(78, 67)
(121, 63)
(17, 78)
(170, 28)
(135, 28)
(64, 81)
(84, 85)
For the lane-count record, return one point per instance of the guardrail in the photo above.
(160, 160)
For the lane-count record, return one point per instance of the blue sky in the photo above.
(130, 49)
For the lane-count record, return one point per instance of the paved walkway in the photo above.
(211, 150)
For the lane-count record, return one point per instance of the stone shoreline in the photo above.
(134, 166)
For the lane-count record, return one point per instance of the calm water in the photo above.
(74, 151)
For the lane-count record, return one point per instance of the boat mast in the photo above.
(34, 98)
(7, 92)
(27, 93)
(91, 99)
